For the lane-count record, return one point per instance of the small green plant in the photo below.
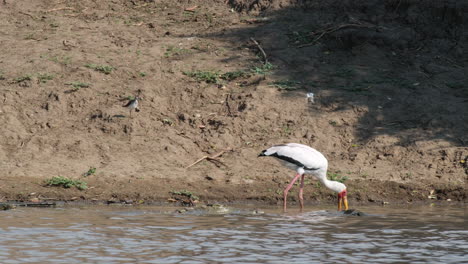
(300, 37)
(185, 193)
(142, 74)
(90, 172)
(335, 176)
(64, 60)
(44, 77)
(172, 51)
(66, 182)
(263, 69)
(206, 76)
(23, 78)
(106, 69)
(287, 85)
(230, 76)
(78, 85)
(2, 77)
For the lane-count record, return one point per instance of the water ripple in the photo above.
(150, 235)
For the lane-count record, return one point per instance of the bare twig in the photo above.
(261, 50)
(227, 104)
(58, 9)
(331, 30)
(212, 158)
(24, 13)
(191, 9)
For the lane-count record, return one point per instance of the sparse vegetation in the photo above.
(216, 76)
(204, 76)
(106, 69)
(64, 60)
(230, 76)
(23, 78)
(263, 69)
(335, 176)
(300, 37)
(185, 193)
(90, 172)
(172, 51)
(287, 85)
(78, 85)
(44, 77)
(66, 183)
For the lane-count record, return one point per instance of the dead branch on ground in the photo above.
(59, 9)
(213, 158)
(261, 50)
(330, 30)
(227, 104)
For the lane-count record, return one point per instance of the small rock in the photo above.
(5, 207)
(34, 200)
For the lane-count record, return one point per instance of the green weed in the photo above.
(66, 182)
(185, 193)
(78, 85)
(206, 76)
(44, 77)
(263, 69)
(64, 60)
(230, 76)
(90, 172)
(106, 69)
(23, 78)
(300, 37)
(175, 51)
(142, 74)
(287, 85)
(335, 176)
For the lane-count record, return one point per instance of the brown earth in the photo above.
(390, 85)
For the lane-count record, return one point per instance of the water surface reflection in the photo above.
(100, 234)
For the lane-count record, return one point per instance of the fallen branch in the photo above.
(191, 9)
(227, 104)
(212, 158)
(58, 9)
(24, 13)
(261, 50)
(331, 30)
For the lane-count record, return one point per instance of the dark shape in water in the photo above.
(354, 212)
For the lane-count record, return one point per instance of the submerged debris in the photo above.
(354, 212)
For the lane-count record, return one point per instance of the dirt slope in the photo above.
(389, 80)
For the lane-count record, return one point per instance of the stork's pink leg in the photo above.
(286, 190)
(301, 198)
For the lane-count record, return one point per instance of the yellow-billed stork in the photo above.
(306, 160)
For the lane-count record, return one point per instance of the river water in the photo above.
(240, 234)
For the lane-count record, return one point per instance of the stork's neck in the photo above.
(332, 185)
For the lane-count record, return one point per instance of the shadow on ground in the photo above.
(399, 64)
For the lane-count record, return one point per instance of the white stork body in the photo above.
(305, 160)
